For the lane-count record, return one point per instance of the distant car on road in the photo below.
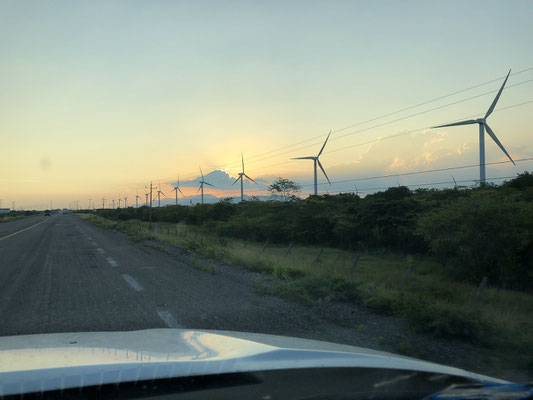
(47, 213)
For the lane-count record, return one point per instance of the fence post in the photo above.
(288, 249)
(355, 261)
(265, 246)
(407, 273)
(481, 287)
(317, 259)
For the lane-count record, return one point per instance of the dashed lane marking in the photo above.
(112, 262)
(132, 282)
(168, 319)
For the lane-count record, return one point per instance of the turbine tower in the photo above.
(159, 193)
(241, 177)
(176, 189)
(137, 199)
(125, 202)
(482, 122)
(202, 183)
(317, 161)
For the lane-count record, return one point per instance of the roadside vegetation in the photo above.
(421, 255)
(16, 215)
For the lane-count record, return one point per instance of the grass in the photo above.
(430, 301)
(7, 217)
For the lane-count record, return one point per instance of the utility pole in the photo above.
(150, 209)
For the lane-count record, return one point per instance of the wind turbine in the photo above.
(202, 183)
(243, 175)
(159, 193)
(317, 161)
(137, 198)
(482, 122)
(176, 189)
(125, 202)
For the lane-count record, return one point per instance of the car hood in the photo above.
(68, 360)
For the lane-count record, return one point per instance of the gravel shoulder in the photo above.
(335, 321)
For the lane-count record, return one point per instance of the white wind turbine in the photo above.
(241, 177)
(176, 189)
(482, 122)
(317, 161)
(159, 193)
(202, 183)
(137, 197)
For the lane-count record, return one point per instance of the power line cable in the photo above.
(397, 112)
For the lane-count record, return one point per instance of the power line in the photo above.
(399, 111)
(388, 123)
(424, 184)
(399, 134)
(425, 172)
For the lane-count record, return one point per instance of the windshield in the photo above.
(346, 171)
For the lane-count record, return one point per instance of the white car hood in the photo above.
(44, 362)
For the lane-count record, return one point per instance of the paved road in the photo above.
(62, 274)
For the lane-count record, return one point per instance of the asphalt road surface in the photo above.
(62, 274)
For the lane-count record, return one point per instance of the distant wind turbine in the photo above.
(317, 161)
(159, 193)
(241, 177)
(176, 189)
(137, 198)
(202, 183)
(482, 122)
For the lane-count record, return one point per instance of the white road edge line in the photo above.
(132, 282)
(112, 262)
(25, 229)
(168, 319)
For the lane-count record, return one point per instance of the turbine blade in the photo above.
(493, 136)
(303, 158)
(205, 183)
(467, 122)
(237, 180)
(491, 108)
(181, 192)
(324, 145)
(322, 168)
(250, 179)
(201, 173)
(199, 188)
(242, 158)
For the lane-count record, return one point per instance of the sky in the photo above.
(101, 97)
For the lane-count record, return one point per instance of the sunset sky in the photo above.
(99, 98)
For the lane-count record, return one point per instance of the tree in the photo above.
(284, 188)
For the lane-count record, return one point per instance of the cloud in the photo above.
(221, 179)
